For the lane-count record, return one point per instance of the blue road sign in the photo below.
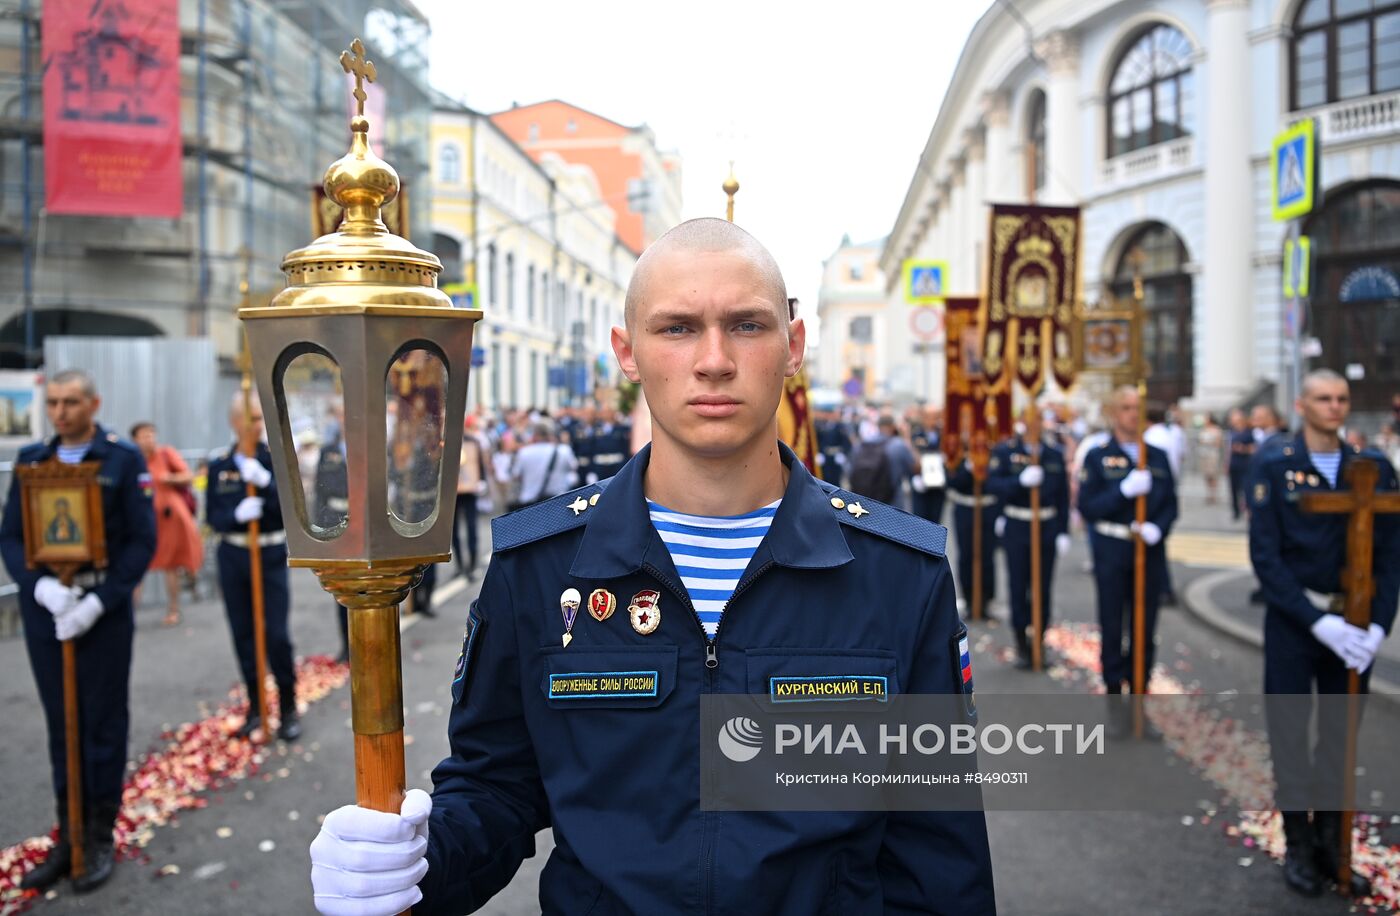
(1293, 168)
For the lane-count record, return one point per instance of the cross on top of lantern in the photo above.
(361, 363)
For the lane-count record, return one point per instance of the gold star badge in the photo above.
(578, 505)
(857, 510)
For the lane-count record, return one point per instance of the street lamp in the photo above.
(363, 341)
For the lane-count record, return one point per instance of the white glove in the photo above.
(252, 471)
(1370, 645)
(591, 479)
(79, 620)
(54, 596)
(999, 526)
(1346, 641)
(1033, 476)
(249, 508)
(917, 483)
(1062, 544)
(1151, 534)
(1137, 483)
(369, 863)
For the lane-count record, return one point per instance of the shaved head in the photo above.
(707, 235)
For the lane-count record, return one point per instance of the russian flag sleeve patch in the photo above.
(961, 654)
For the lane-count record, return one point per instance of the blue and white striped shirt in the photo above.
(711, 553)
(1327, 464)
(73, 454)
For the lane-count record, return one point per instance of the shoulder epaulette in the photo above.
(875, 517)
(555, 515)
(32, 449)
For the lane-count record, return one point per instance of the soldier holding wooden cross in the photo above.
(82, 609)
(1329, 565)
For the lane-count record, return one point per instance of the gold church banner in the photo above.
(1032, 286)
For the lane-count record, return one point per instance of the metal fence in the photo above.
(171, 382)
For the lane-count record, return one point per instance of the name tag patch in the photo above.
(836, 687)
(594, 685)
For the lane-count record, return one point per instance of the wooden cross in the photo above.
(354, 61)
(1361, 504)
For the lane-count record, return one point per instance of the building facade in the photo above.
(640, 183)
(539, 252)
(1159, 122)
(867, 351)
(265, 109)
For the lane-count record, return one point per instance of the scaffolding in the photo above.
(264, 110)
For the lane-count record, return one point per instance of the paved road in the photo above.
(246, 850)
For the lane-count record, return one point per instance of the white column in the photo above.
(1224, 308)
(976, 217)
(959, 269)
(1003, 180)
(1064, 159)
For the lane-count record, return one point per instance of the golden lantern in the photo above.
(361, 364)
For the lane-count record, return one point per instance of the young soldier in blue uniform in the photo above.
(833, 446)
(579, 435)
(612, 443)
(1109, 486)
(95, 611)
(836, 585)
(965, 503)
(1011, 477)
(927, 499)
(229, 509)
(1299, 557)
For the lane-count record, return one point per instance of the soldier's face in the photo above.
(711, 350)
(1324, 405)
(255, 419)
(70, 410)
(1125, 414)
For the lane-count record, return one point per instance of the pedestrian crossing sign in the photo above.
(925, 282)
(1293, 170)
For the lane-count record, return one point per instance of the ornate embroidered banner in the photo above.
(1032, 286)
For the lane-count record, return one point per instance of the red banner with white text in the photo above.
(112, 107)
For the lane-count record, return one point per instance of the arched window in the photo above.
(1343, 49)
(449, 164)
(1355, 309)
(1149, 98)
(1035, 142)
(1159, 254)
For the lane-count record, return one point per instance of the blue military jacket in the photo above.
(829, 591)
(1293, 550)
(1012, 457)
(610, 444)
(1101, 500)
(128, 517)
(227, 488)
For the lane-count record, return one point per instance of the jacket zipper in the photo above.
(711, 663)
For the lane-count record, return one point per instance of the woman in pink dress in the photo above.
(179, 549)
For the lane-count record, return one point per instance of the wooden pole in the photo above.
(72, 751)
(1037, 598)
(1140, 579)
(976, 546)
(248, 445)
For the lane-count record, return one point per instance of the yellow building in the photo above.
(533, 246)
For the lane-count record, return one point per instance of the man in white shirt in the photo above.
(545, 467)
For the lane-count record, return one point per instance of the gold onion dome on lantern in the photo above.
(362, 263)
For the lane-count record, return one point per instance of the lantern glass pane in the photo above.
(416, 397)
(315, 403)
